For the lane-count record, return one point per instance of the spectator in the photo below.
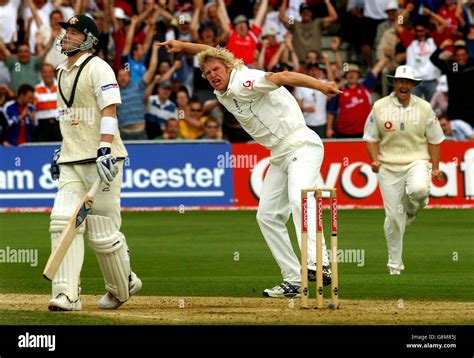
(24, 68)
(418, 57)
(46, 38)
(269, 47)
(284, 57)
(134, 54)
(192, 125)
(159, 110)
(392, 19)
(212, 129)
(242, 40)
(307, 32)
(456, 129)
(5, 77)
(313, 103)
(20, 116)
(130, 113)
(44, 9)
(374, 14)
(460, 73)
(439, 101)
(46, 95)
(171, 131)
(8, 20)
(352, 107)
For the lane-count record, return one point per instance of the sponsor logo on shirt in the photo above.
(248, 84)
(109, 86)
(388, 126)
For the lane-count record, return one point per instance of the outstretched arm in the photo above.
(262, 11)
(174, 46)
(300, 80)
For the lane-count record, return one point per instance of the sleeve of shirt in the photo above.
(370, 81)
(104, 83)
(465, 128)
(333, 105)
(371, 131)
(434, 133)
(254, 82)
(256, 30)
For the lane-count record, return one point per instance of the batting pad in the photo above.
(67, 279)
(112, 253)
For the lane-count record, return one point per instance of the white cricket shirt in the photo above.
(402, 133)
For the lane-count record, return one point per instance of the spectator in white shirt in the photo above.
(456, 129)
(312, 102)
(418, 57)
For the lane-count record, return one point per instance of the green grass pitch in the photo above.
(222, 253)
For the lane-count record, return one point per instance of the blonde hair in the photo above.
(221, 54)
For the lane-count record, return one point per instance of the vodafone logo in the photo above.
(388, 125)
(337, 172)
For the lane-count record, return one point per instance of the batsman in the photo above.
(91, 147)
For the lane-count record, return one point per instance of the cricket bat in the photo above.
(70, 232)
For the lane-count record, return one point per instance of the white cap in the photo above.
(120, 14)
(442, 84)
(405, 72)
(392, 5)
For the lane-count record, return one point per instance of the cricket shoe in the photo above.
(394, 271)
(283, 290)
(326, 275)
(63, 303)
(110, 302)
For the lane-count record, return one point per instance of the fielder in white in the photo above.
(403, 134)
(271, 115)
(91, 146)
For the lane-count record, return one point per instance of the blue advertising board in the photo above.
(154, 175)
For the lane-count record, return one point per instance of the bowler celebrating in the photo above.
(271, 115)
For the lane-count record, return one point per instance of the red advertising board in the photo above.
(346, 167)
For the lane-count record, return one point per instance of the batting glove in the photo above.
(107, 166)
(54, 169)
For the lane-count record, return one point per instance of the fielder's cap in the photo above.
(353, 68)
(442, 84)
(83, 23)
(405, 72)
(120, 14)
(166, 84)
(392, 5)
(304, 6)
(239, 19)
(460, 43)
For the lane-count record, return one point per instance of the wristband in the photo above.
(108, 125)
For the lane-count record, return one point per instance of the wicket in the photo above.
(318, 193)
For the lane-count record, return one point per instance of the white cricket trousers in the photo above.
(280, 197)
(404, 192)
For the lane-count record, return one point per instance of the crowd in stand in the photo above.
(166, 97)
